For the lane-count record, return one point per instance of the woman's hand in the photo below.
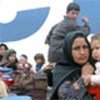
(87, 79)
(87, 69)
(86, 72)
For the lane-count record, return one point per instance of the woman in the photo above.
(9, 60)
(77, 52)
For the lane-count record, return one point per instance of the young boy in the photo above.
(58, 32)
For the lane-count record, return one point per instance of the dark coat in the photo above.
(56, 38)
(69, 70)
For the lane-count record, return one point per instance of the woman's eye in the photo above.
(85, 47)
(76, 48)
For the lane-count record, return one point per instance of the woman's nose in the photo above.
(82, 51)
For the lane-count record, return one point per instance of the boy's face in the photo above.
(95, 46)
(73, 14)
(22, 60)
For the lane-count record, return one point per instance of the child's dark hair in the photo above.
(73, 6)
(25, 56)
(39, 56)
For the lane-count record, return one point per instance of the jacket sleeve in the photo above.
(74, 26)
(85, 28)
(95, 79)
(50, 34)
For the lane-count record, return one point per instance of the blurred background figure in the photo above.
(9, 60)
(23, 63)
(3, 48)
(39, 60)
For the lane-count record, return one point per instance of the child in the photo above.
(95, 79)
(40, 60)
(23, 63)
(95, 45)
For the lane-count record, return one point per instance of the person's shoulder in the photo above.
(60, 66)
(67, 22)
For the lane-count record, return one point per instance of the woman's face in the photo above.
(2, 50)
(12, 58)
(80, 51)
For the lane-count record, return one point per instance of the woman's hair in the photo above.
(9, 52)
(3, 45)
(73, 6)
(81, 36)
(96, 37)
(39, 56)
(69, 39)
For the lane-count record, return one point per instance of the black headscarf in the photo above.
(69, 39)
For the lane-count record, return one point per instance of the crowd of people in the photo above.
(11, 66)
(8, 58)
(73, 71)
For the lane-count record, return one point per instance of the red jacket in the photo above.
(95, 90)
